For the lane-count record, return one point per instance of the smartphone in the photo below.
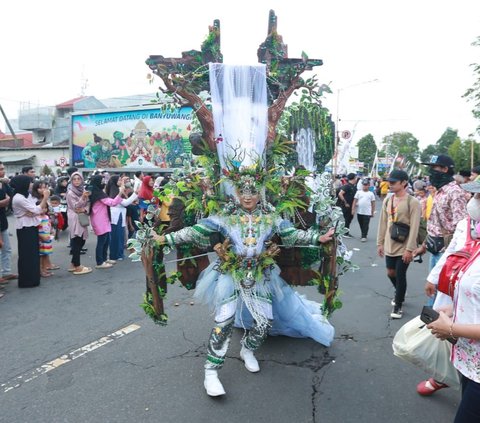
(428, 315)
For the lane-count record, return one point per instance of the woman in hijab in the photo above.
(118, 218)
(27, 218)
(100, 218)
(77, 202)
(145, 195)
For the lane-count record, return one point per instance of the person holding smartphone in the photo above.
(100, 204)
(459, 319)
(77, 202)
(118, 217)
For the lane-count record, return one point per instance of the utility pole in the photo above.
(471, 153)
(17, 142)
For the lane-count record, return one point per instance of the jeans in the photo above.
(117, 240)
(102, 248)
(399, 280)
(364, 222)
(6, 254)
(469, 408)
(433, 261)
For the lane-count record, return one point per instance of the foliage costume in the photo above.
(248, 283)
(239, 126)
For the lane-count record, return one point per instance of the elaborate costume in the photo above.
(243, 285)
(245, 281)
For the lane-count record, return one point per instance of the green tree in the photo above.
(473, 93)
(448, 137)
(428, 152)
(457, 153)
(366, 151)
(405, 144)
(461, 153)
(46, 170)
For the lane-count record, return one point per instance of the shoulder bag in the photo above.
(83, 219)
(398, 231)
(457, 263)
(437, 244)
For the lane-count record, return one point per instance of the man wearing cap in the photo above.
(397, 235)
(449, 207)
(364, 207)
(345, 200)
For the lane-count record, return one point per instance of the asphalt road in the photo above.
(64, 358)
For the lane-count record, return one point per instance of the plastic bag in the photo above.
(415, 343)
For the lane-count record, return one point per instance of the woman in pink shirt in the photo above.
(100, 204)
(27, 218)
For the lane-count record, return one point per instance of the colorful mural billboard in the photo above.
(133, 138)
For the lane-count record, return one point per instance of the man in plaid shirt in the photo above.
(449, 206)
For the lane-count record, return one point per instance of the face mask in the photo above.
(439, 179)
(56, 209)
(473, 209)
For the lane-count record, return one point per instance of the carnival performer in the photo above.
(246, 278)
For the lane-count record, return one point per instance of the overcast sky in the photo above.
(419, 50)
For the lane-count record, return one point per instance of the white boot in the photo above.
(212, 383)
(251, 362)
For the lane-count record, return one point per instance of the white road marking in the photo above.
(66, 358)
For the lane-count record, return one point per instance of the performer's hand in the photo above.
(222, 248)
(159, 239)
(327, 237)
(272, 250)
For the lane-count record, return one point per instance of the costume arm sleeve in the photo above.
(292, 236)
(198, 234)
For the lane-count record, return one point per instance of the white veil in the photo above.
(240, 111)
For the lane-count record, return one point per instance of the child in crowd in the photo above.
(56, 216)
(44, 233)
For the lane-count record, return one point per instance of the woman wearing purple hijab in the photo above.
(77, 202)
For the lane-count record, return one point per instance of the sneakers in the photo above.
(110, 261)
(397, 312)
(249, 359)
(212, 383)
(104, 265)
(430, 386)
(348, 236)
(393, 302)
(363, 240)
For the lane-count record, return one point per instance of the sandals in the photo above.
(430, 386)
(46, 274)
(53, 267)
(10, 277)
(83, 271)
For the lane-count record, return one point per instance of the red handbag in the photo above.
(457, 263)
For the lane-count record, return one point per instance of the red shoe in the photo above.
(430, 386)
